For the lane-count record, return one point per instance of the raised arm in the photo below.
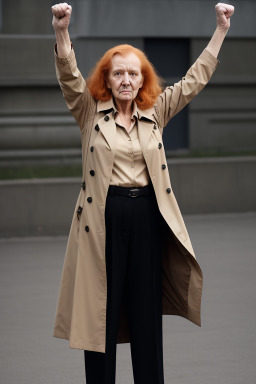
(223, 13)
(60, 22)
(73, 85)
(176, 97)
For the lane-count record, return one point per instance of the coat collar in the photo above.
(108, 127)
(106, 106)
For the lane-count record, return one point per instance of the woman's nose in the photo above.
(126, 79)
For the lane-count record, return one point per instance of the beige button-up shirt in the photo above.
(129, 169)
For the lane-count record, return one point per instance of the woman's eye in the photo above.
(117, 74)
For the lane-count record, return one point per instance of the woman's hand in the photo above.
(61, 16)
(224, 13)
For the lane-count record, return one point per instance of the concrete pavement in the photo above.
(223, 351)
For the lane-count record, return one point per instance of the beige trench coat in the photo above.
(81, 308)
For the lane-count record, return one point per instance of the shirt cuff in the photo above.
(206, 56)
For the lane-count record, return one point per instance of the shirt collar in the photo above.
(140, 113)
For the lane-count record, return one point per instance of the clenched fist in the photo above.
(224, 13)
(61, 16)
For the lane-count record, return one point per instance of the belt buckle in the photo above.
(133, 193)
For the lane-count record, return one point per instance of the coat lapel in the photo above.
(108, 130)
(145, 126)
(107, 124)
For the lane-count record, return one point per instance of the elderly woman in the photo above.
(129, 258)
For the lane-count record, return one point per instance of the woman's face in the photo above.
(125, 77)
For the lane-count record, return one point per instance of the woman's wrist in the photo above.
(222, 30)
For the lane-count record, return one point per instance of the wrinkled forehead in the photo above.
(128, 61)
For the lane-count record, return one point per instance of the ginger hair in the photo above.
(152, 83)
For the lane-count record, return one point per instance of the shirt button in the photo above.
(163, 166)
(97, 128)
(92, 149)
(155, 127)
(168, 190)
(106, 118)
(86, 228)
(89, 199)
(159, 145)
(130, 152)
(92, 172)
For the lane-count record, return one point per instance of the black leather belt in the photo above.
(148, 190)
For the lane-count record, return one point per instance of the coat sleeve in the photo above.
(176, 97)
(73, 86)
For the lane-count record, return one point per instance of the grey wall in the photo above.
(133, 18)
(223, 116)
(26, 16)
(35, 125)
(166, 18)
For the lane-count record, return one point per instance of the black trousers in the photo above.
(133, 266)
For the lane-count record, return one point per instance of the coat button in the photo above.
(106, 118)
(159, 145)
(92, 148)
(97, 128)
(163, 166)
(155, 127)
(86, 228)
(92, 173)
(89, 199)
(168, 190)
